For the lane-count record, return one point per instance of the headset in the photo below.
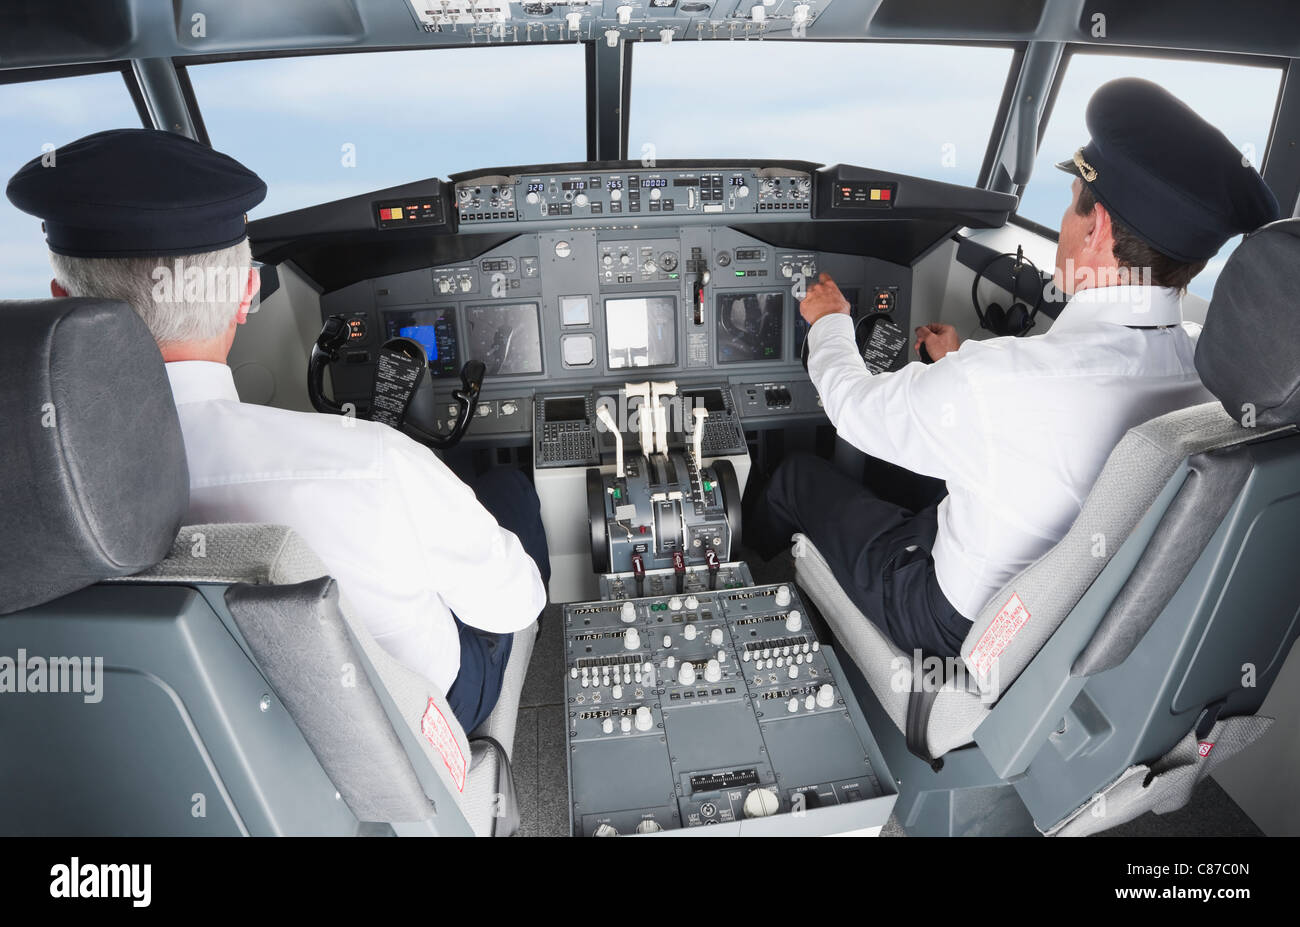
(1019, 318)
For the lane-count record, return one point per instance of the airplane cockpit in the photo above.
(573, 245)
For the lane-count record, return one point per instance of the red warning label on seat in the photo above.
(998, 635)
(435, 728)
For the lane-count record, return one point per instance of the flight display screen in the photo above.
(507, 339)
(434, 330)
(750, 326)
(641, 332)
(711, 399)
(566, 409)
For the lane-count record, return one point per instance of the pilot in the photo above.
(1018, 429)
(440, 573)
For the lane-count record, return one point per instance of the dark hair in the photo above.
(1132, 251)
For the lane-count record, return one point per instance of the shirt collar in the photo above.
(201, 381)
(1122, 305)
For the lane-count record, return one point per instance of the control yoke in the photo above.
(398, 374)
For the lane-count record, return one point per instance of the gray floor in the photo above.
(542, 782)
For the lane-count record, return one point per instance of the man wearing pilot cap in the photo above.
(440, 578)
(1018, 429)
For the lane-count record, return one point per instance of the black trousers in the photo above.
(878, 550)
(513, 502)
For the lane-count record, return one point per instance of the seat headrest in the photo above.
(1248, 354)
(93, 477)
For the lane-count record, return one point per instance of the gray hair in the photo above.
(192, 297)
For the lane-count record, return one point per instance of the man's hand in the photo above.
(823, 298)
(939, 339)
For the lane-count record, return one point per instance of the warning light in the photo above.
(875, 194)
(884, 194)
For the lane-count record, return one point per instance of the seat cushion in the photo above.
(958, 709)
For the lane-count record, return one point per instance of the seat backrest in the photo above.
(200, 682)
(93, 477)
(1169, 483)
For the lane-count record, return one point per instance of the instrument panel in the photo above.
(577, 308)
(644, 193)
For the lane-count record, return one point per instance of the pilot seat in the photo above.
(1129, 661)
(192, 680)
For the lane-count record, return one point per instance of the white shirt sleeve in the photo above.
(479, 569)
(929, 419)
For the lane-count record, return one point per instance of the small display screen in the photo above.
(567, 409)
(536, 188)
(433, 329)
(641, 332)
(615, 183)
(574, 185)
(654, 182)
(507, 339)
(750, 326)
(575, 310)
(711, 399)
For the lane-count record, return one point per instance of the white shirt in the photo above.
(1019, 428)
(407, 541)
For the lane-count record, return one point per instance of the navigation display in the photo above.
(434, 329)
(641, 332)
(750, 326)
(507, 339)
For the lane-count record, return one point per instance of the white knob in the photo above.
(618, 692)
(611, 38)
(605, 830)
(670, 662)
(692, 602)
(825, 696)
(800, 13)
(580, 200)
(533, 199)
(615, 195)
(792, 706)
(712, 671)
(722, 656)
(810, 702)
(644, 720)
(648, 826)
(793, 622)
(631, 639)
(574, 20)
(665, 35)
(655, 193)
(715, 637)
(675, 604)
(624, 17)
(625, 725)
(742, 191)
(758, 14)
(782, 596)
(573, 673)
(629, 612)
(793, 673)
(761, 803)
(607, 726)
(686, 675)
(688, 632)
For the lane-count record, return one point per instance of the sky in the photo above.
(323, 127)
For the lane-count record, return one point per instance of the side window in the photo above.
(37, 117)
(1237, 98)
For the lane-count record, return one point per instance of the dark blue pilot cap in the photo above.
(1166, 173)
(135, 193)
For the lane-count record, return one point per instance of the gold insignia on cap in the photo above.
(1086, 170)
